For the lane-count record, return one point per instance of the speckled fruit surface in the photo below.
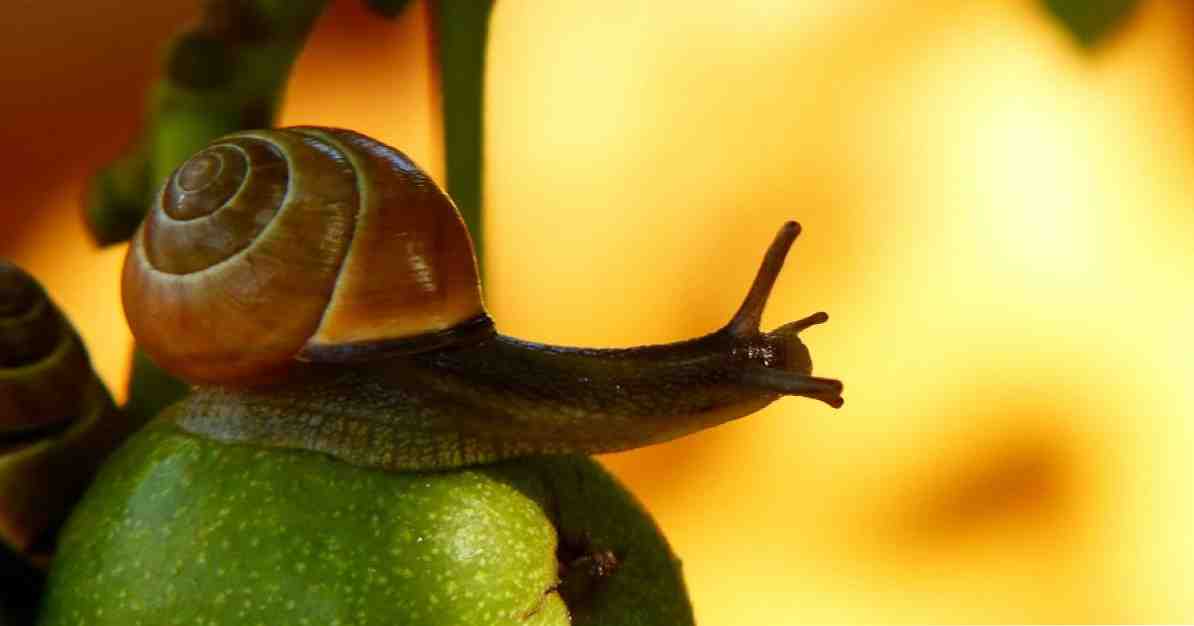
(183, 530)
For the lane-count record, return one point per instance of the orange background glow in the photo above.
(998, 223)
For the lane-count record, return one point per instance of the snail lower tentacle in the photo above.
(502, 397)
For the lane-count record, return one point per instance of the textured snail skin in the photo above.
(499, 397)
(496, 399)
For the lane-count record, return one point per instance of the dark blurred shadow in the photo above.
(20, 590)
(1026, 477)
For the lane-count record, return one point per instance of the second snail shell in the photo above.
(307, 243)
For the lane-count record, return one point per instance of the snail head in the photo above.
(782, 363)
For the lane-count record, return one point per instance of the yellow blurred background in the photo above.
(998, 223)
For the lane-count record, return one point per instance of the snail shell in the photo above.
(303, 243)
(42, 360)
(57, 421)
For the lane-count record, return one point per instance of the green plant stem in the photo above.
(461, 30)
(224, 74)
(1091, 21)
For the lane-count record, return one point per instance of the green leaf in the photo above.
(1090, 21)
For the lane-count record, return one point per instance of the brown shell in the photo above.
(302, 243)
(42, 361)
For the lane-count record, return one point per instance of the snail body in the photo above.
(328, 310)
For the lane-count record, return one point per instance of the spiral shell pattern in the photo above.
(43, 365)
(57, 421)
(300, 243)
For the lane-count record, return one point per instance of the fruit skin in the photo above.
(179, 529)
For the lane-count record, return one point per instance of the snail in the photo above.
(37, 347)
(321, 293)
(57, 420)
(329, 261)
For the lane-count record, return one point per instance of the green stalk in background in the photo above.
(461, 29)
(1091, 21)
(225, 74)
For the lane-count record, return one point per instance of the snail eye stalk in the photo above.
(789, 375)
(745, 322)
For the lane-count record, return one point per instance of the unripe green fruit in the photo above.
(180, 529)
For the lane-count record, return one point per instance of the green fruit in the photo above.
(180, 529)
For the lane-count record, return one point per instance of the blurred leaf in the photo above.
(1091, 20)
(461, 28)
